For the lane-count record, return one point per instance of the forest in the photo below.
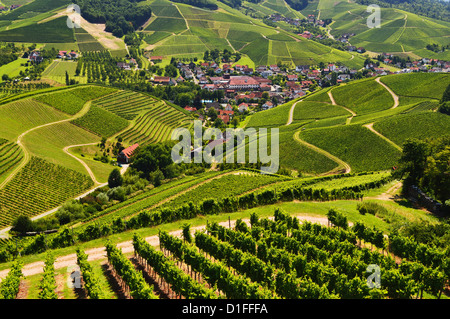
(436, 9)
(121, 17)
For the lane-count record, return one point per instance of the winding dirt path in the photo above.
(394, 96)
(370, 127)
(88, 169)
(330, 95)
(343, 167)
(291, 113)
(27, 155)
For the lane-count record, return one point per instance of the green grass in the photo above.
(355, 145)
(13, 68)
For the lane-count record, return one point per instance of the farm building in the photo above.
(125, 155)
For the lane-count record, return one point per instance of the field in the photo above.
(10, 156)
(151, 120)
(19, 116)
(86, 42)
(72, 101)
(401, 32)
(428, 85)
(363, 97)
(13, 69)
(38, 187)
(53, 31)
(356, 145)
(235, 184)
(57, 71)
(317, 110)
(415, 125)
(169, 34)
(48, 143)
(101, 122)
(126, 104)
(271, 118)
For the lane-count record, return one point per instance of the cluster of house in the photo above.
(35, 57)
(127, 65)
(276, 17)
(67, 55)
(11, 7)
(424, 65)
(225, 111)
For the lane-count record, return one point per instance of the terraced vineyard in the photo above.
(10, 157)
(155, 125)
(126, 104)
(38, 187)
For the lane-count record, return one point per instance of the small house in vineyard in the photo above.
(125, 155)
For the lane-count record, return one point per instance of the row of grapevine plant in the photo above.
(9, 287)
(180, 282)
(133, 280)
(91, 281)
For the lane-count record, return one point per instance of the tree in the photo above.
(212, 113)
(413, 160)
(67, 78)
(115, 179)
(23, 224)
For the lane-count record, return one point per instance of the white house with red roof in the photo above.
(125, 155)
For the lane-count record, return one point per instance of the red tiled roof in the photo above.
(129, 150)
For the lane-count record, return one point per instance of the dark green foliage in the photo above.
(115, 179)
(200, 3)
(23, 224)
(429, 8)
(121, 17)
(424, 163)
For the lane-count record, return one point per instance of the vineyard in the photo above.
(126, 104)
(10, 156)
(268, 258)
(101, 122)
(38, 187)
(72, 101)
(155, 125)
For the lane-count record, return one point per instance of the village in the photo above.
(246, 90)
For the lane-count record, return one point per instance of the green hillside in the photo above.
(189, 31)
(323, 137)
(401, 32)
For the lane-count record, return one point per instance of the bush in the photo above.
(23, 224)
(115, 179)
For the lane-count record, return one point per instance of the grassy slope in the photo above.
(401, 32)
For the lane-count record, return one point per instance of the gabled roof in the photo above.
(129, 150)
